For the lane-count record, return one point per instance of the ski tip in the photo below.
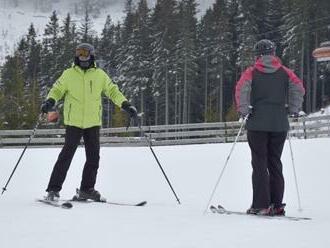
(141, 203)
(220, 207)
(67, 205)
(213, 209)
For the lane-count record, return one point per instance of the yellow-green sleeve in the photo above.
(59, 88)
(112, 91)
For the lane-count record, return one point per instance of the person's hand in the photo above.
(294, 115)
(130, 109)
(53, 116)
(245, 116)
(47, 105)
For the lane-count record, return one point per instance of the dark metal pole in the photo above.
(160, 166)
(155, 156)
(19, 160)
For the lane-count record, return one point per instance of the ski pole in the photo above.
(19, 160)
(156, 158)
(294, 173)
(161, 168)
(226, 163)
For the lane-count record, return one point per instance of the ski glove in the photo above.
(131, 110)
(294, 115)
(243, 116)
(47, 105)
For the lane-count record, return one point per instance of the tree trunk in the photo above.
(142, 106)
(302, 65)
(166, 94)
(185, 92)
(315, 77)
(308, 80)
(221, 93)
(206, 89)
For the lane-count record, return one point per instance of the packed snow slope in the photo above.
(132, 175)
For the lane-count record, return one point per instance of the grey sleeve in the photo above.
(296, 97)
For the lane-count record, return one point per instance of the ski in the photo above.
(139, 204)
(221, 210)
(65, 204)
(104, 201)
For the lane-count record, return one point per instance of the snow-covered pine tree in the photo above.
(164, 24)
(220, 52)
(32, 78)
(50, 66)
(12, 88)
(68, 42)
(273, 23)
(142, 68)
(85, 31)
(299, 26)
(186, 63)
(105, 59)
(247, 33)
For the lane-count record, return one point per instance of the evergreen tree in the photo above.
(205, 36)
(143, 69)
(68, 42)
(107, 43)
(299, 41)
(106, 53)
(51, 54)
(186, 64)
(32, 77)
(85, 31)
(247, 30)
(12, 88)
(164, 26)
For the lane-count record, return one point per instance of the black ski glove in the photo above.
(245, 116)
(47, 105)
(131, 110)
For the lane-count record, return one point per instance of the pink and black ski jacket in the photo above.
(273, 91)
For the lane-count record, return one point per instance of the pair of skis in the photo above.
(221, 210)
(67, 204)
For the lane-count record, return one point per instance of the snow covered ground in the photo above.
(131, 175)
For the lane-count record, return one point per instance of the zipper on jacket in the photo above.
(69, 113)
(83, 101)
(100, 112)
(91, 85)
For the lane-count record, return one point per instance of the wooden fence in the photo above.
(198, 133)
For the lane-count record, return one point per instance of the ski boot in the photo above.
(52, 196)
(90, 194)
(259, 211)
(278, 210)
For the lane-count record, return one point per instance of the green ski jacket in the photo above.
(82, 93)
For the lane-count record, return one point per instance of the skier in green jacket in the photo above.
(82, 86)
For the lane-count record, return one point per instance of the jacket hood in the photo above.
(268, 64)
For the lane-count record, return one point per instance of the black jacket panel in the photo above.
(269, 94)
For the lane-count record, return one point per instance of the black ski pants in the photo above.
(267, 176)
(73, 135)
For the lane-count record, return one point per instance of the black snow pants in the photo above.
(73, 135)
(267, 176)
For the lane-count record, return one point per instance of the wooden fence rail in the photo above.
(197, 133)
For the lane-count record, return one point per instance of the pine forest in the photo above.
(174, 66)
